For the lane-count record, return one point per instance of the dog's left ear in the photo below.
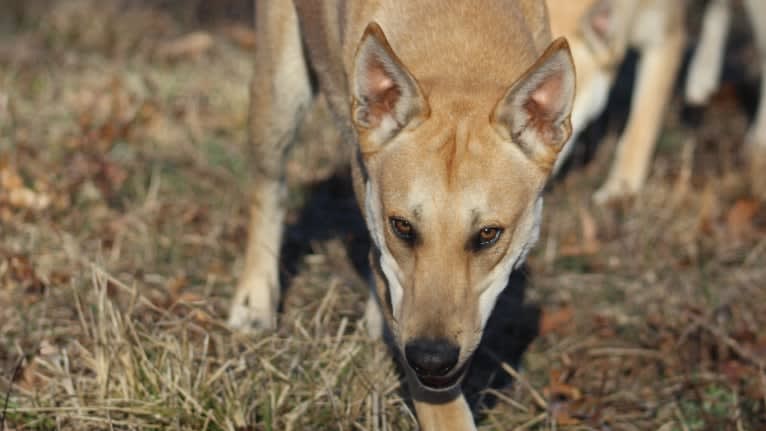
(386, 97)
(534, 113)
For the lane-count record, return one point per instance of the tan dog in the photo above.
(601, 31)
(456, 113)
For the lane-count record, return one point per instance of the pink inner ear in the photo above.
(382, 92)
(547, 95)
(378, 81)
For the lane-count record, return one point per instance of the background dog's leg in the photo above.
(280, 92)
(756, 137)
(657, 68)
(707, 63)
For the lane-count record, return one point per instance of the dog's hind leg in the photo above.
(707, 62)
(280, 92)
(657, 68)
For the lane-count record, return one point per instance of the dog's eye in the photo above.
(488, 236)
(402, 228)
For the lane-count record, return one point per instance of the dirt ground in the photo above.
(123, 206)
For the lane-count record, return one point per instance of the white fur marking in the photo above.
(528, 233)
(376, 224)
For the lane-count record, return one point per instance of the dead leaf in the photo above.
(739, 218)
(241, 35)
(31, 377)
(28, 378)
(561, 398)
(175, 287)
(202, 317)
(21, 274)
(10, 179)
(551, 321)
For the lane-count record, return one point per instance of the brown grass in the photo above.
(123, 184)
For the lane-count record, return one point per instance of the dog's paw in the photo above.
(702, 82)
(614, 190)
(255, 302)
(245, 318)
(700, 87)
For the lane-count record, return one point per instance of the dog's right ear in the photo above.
(386, 97)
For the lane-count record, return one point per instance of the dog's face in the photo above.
(452, 196)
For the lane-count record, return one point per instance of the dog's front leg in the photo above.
(657, 68)
(451, 416)
(707, 62)
(442, 411)
(279, 94)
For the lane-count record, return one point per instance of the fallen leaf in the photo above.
(561, 398)
(241, 35)
(28, 378)
(10, 179)
(739, 218)
(201, 317)
(551, 321)
(175, 287)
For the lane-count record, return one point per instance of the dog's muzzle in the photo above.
(434, 362)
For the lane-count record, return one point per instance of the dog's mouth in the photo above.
(441, 383)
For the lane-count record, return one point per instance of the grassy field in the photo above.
(123, 198)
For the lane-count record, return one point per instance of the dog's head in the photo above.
(452, 194)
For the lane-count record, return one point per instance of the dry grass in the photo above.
(123, 178)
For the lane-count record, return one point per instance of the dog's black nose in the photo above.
(431, 357)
